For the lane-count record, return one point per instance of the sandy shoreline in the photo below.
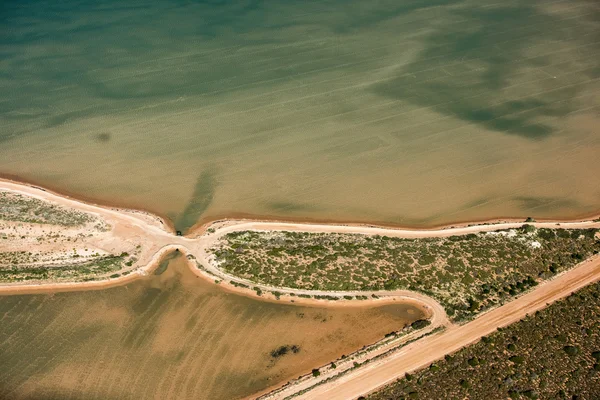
(152, 234)
(156, 234)
(206, 222)
(9, 179)
(158, 240)
(199, 229)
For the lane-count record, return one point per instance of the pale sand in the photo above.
(151, 232)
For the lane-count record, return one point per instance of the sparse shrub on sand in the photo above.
(545, 367)
(466, 274)
(19, 208)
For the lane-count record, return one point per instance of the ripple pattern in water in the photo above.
(416, 112)
(171, 336)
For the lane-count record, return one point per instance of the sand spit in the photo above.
(152, 236)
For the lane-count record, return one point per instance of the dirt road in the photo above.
(429, 349)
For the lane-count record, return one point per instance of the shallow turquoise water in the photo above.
(405, 112)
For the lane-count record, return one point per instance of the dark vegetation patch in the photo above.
(466, 274)
(85, 271)
(553, 354)
(471, 71)
(103, 137)
(283, 350)
(420, 323)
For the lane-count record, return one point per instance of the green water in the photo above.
(412, 112)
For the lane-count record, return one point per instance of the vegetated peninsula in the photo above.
(554, 354)
(467, 274)
(45, 242)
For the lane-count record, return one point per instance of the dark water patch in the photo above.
(360, 18)
(202, 197)
(152, 303)
(164, 264)
(542, 204)
(466, 70)
(103, 137)
(289, 206)
(285, 349)
(146, 300)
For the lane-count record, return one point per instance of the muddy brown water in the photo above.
(171, 336)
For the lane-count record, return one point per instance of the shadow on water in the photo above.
(103, 137)
(543, 203)
(466, 68)
(289, 206)
(202, 197)
(164, 264)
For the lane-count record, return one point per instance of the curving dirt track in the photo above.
(157, 239)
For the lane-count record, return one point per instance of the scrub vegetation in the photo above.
(467, 274)
(18, 208)
(45, 242)
(82, 271)
(554, 354)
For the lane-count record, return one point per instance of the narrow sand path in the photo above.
(157, 240)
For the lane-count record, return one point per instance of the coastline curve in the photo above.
(161, 241)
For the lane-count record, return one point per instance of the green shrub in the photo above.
(485, 269)
(420, 323)
(473, 361)
(528, 228)
(517, 359)
(571, 350)
(530, 394)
